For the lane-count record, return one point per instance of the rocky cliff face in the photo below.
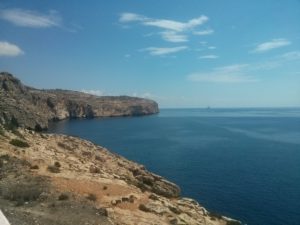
(34, 108)
(56, 179)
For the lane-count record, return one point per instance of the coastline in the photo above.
(123, 189)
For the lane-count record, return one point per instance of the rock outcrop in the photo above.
(63, 180)
(33, 108)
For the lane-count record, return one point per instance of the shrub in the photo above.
(1, 131)
(94, 169)
(34, 167)
(174, 210)
(63, 197)
(104, 188)
(12, 124)
(142, 207)
(19, 143)
(153, 197)
(57, 164)
(22, 193)
(64, 146)
(91, 197)
(53, 169)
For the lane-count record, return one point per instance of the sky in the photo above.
(195, 53)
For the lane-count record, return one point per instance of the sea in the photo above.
(243, 163)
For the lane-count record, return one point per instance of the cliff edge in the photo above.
(56, 179)
(34, 108)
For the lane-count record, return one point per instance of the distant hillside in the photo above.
(34, 108)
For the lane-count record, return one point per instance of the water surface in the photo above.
(243, 163)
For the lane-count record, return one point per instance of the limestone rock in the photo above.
(33, 108)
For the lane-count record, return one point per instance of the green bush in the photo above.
(19, 143)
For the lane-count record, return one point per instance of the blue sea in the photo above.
(242, 163)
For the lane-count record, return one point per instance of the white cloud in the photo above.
(208, 57)
(27, 18)
(232, 68)
(8, 49)
(172, 36)
(204, 32)
(211, 47)
(93, 92)
(173, 31)
(229, 74)
(295, 55)
(164, 51)
(131, 17)
(175, 25)
(275, 43)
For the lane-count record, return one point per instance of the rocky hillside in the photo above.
(34, 108)
(55, 179)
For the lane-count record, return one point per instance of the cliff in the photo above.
(33, 108)
(56, 179)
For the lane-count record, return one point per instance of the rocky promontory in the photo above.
(56, 179)
(34, 108)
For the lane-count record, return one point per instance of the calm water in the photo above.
(243, 163)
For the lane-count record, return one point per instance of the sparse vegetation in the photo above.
(34, 167)
(174, 210)
(19, 143)
(12, 124)
(91, 197)
(153, 197)
(64, 146)
(57, 164)
(94, 169)
(142, 207)
(21, 192)
(53, 169)
(63, 197)
(2, 133)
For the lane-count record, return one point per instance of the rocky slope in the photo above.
(34, 108)
(57, 179)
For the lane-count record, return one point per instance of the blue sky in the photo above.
(195, 53)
